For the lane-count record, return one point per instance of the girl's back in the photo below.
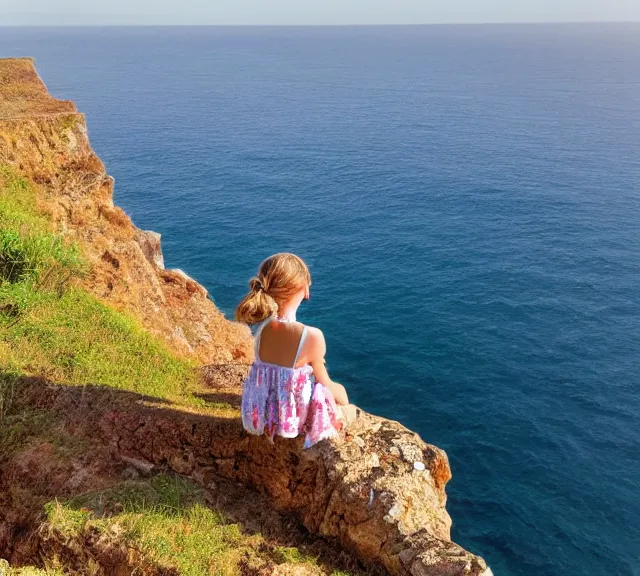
(288, 391)
(280, 342)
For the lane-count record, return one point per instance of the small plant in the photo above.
(65, 520)
(283, 554)
(70, 121)
(25, 257)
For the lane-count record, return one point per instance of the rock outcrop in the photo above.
(150, 243)
(378, 490)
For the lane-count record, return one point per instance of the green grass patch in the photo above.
(50, 329)
(18, 202)
(165, 518)
(286, 554)
(28, 256)
(33, 259)
(66, 520)
(165, 493)
(76, 340)
(193, 540)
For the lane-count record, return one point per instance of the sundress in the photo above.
(287, 401)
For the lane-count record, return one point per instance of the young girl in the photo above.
(288, 391)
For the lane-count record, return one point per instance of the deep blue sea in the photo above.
(468, 199)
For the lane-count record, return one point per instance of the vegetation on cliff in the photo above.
(52, 328)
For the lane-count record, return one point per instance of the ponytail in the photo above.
(279, 277)
(257, 305)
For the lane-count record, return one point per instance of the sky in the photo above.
(312, 12)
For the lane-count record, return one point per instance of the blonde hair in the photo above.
(279, 277)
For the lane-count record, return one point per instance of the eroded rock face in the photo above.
(46, 140)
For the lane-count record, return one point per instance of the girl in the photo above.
(288, 391)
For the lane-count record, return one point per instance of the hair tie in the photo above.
(256, 285)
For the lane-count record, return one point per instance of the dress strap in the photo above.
(256, 338)
(302, 339)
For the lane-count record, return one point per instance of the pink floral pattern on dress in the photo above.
(287, 402)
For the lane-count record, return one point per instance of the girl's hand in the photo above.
(339, 393)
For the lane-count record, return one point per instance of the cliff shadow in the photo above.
(107, 455)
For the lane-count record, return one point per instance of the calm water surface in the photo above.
(469, 201)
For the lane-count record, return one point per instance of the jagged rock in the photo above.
(149, 241)
(382, 509)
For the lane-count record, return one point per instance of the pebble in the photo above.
(394, 513)
(418, 466)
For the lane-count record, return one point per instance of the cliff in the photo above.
(378, 492)
(46, 139)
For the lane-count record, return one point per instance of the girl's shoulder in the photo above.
(314, 343)
(312, 331)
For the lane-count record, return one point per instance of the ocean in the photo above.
(468, 200)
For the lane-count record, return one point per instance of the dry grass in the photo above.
(31, 571)
(23, 93)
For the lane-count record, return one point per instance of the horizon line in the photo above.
(335, 25)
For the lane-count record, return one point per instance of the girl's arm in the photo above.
(316, 353)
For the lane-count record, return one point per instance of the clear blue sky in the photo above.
(312, 11)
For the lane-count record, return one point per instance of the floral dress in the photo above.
(287, 401)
